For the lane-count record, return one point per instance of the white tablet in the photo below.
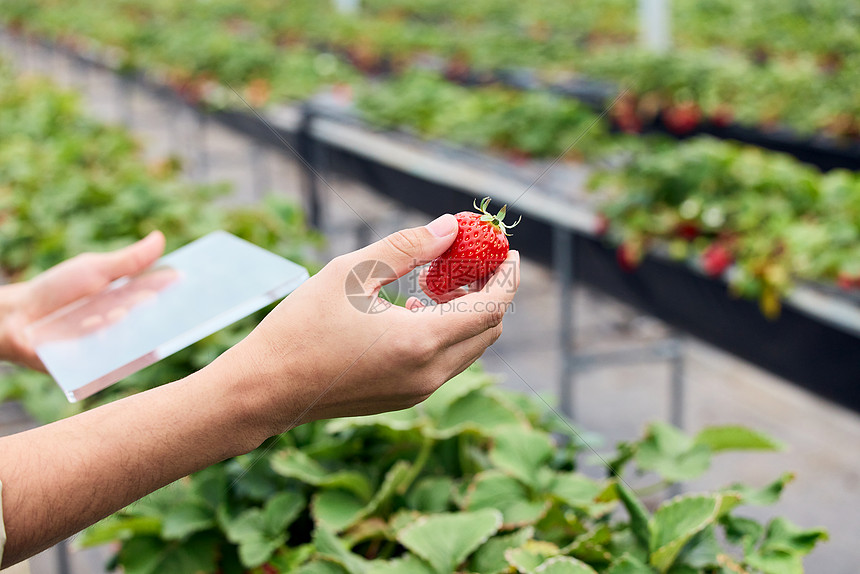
(139, 320)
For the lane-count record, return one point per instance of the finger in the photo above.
(399, 253)
(413, 304)
(133, 258)
(480, 311)
(422, 282)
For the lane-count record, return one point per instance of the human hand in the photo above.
(323, 354)
(22, 304)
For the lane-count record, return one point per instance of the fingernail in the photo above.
(443, 225)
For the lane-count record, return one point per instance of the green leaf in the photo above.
(331, 547)
(119, 527)
(764, 496)
(530, 555)
(564, 565)
(701, 551)
(336, 509)
(149, 555)
(575, 489)
(294, 463)
(478, 412)
(673, 455)
(339, 510)
(445, 540)
(471, 379)
(676, 522)
(627, 564)
(490, 558)
(783, 535)
(408, 564)
(733, 437)
(639, 516)
(492, 489)
(187, 518)
(321, 566)
(744, 532)
(522, 452)
(259, 532)
(431, 494)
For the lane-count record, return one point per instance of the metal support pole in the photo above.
(261, 182)
(654, 25)
(63, 566)
(199, 149)
(125, 104)
(310, 163)
(677, 383)
(563, 254)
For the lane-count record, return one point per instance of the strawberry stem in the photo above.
(498, 219)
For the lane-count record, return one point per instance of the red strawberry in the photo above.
(716, 259)
(687, 230)
(628, 256)
(479, 248)
(682, 118)
(601, 228)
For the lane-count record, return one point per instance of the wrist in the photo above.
(250, 398)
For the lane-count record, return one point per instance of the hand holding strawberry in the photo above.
(480, 247)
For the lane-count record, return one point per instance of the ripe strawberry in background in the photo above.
(628, 256)
(480, 247)
(682, 118)
(716, 259)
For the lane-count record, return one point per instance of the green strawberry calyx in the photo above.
(498, 219)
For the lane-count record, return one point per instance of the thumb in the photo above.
(404, 250)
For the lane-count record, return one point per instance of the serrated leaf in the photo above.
(478, 412)
(702, 551)
(149, 555)
(445, 540)
(431, 494)
(530, 555)
(676, 522)
(409, 564)
(522, 452)
(764, 496)
(321, 566)
(575, 489)
(733, 437)
(639, 516)
(117, 527)
(258, 532)
(627, 564)
(783, 535)
(185, 519)
(492, 489)
(336, 509)
(330, 546)
(490, 558)
(591, 546)
(402, 420)
(294, 463)
(463, 384)
(564, 565)
(673, 455)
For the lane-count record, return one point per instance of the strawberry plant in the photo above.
(476, 479)
(774, 219)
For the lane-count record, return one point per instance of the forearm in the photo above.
(62, 477)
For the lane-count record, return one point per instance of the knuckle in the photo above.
(494, 316)
(404, 243)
